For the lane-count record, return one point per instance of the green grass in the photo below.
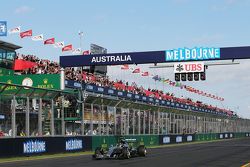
(39, 157)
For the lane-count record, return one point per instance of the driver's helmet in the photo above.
(123, 141)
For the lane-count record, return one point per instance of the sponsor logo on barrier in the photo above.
(2, 116)
(221, 136)
(73, 144)
(178, 139)
(34, 146)
(226, 135)
(100, 89)
(111, 91)
(189, 138)
(185, 54)
(76, 84)
(247, 134)
(231, 135)
(166, 140)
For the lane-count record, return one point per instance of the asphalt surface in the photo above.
(226, 153)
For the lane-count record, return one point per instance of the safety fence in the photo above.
(24, 146)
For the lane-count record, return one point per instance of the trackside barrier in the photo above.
(174, 139)
(10, 147)
(43, 145)
(106, 141)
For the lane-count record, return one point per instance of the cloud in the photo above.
(23, 9)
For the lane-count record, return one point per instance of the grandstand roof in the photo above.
(8, 45)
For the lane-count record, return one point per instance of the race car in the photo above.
(122, 150)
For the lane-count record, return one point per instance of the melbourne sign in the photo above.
(185, 54)
(73, 144)
(189, 67)
(34, 146)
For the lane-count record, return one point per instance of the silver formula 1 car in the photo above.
(122, 150)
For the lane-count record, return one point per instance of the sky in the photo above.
(143, 25)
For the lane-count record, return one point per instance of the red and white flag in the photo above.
(77, 51)
(37, 37)
(67, 48)
(125, 67)
(15, 30)
(137, 70)
(26, 34)
(59, 44)
(49, 41)
(86, 52)
(145, 74)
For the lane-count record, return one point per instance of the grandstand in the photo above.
(97, 107)
(32, 104)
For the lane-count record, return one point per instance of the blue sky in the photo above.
(143, 25)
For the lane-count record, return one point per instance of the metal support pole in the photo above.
(13, 117)
(154, 123)
(158, 122)
(52, 121)
(40, 118)
(115, 130)
(128, 125)
(144, 122)
(91, 119)
(27, 118)
(62, 117)
(133, 122)
(62, 79)
(139, 121)
(82, 119)
(149, 122)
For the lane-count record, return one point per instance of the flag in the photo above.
(125, 67)
(156, 77)
(37, 37)
(137, 70)
(145, 74)
(23, 64)
(86, 52)
(77, 51)
(166, 81)
(15, 30)
(49, 41)
(59, 44)
(67, 48)
(26, 34)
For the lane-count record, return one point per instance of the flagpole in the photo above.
(84, 95)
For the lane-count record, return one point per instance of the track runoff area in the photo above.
(228, 153)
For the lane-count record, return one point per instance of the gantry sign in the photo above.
(175, 55)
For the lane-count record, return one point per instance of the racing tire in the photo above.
(142, 151)
(98, 151)
(125, 153)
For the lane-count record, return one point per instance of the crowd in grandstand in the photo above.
(42, 66)
(51, 67)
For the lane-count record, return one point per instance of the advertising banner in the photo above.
(41, 145)
(3, 28)
(173, 55)
(188, 67)
(46, 81)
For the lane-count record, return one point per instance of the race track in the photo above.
(228, 153)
